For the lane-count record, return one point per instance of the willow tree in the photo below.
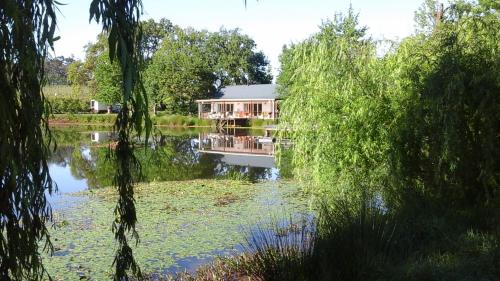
(26, 36)
(120, 20)
(334, 104)
(446, 141)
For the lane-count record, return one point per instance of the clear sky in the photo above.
(271, 23)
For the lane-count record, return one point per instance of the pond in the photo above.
(202, 192)
(80, 161)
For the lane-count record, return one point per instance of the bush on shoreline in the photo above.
(261, 123)
(87, 119)
(159, 120)
(175, 120)
(69, 105)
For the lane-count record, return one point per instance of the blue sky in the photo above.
(271, 23)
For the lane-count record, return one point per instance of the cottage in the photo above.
(241, 103)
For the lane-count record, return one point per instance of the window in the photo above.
(257, 145)
(206, 107)
(247, 107)
(253, 108)
(223, 107)
(257, 109)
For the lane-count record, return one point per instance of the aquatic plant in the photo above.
(183, 224)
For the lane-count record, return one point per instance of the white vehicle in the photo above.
(97, 106)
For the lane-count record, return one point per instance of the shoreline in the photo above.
(105, 124)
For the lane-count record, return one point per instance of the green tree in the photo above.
(446, 142)
(56, 70)
(333, 87)
(107, 79)
(194, 64)
(428, 16)
(178, 73)
(420, 120)
(285, 77)
(259, 70)
(77, 76)
(81, 74)
(152, 35)
(234, 59)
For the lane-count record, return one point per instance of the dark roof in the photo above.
(261, 91)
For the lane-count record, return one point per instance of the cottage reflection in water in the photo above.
(241, 150)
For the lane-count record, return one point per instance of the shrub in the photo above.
(108, 119)
(180, 120)
(445, 141)
(365, 241)
(261, 122)
(69, 105)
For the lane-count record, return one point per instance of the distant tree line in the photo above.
(56, 70)
(180, 66)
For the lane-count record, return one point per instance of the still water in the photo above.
(202, 192)
(81, 159)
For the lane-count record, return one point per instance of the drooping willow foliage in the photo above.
(448, 133)
(120, 20)
(26, 34)
(332, 87)
(424, 117)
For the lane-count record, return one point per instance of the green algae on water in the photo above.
(181, 224)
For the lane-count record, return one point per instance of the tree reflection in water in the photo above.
(167, 158)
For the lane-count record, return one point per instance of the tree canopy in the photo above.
(180, 65)
(193, 64)
(108, 82)
(178, 73)
(152, 35)
(422, 117)
(56, 70)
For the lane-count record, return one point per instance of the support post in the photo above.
(273, 105)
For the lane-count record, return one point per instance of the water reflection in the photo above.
(241, 144)
(82, 158)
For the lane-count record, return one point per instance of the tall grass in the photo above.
(365, 241)
(181, 120)
(259, 123)
(344, 242)
(66, 91)
(98, 119)
(283, 251)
